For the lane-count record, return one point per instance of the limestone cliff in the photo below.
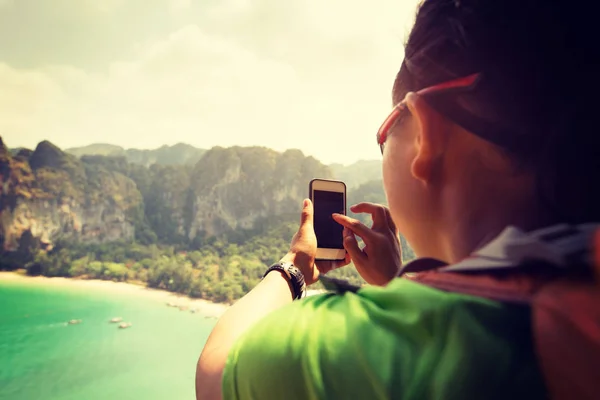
(96, 199)
(55, 196)
(233, 188)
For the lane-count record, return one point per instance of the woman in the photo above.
(491, 141)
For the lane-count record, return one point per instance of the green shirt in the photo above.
(404, 341)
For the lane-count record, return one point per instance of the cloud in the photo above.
(28, 101)
(85, 9)
(176, 6)
(308, 75)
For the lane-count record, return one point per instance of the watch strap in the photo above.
(293, 275)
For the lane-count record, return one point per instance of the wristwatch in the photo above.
(293, 275)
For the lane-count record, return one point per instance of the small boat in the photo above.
(183, 308)
(194, 310)
(125, 325)
(115, 320)
(74, 322)
(170, 304)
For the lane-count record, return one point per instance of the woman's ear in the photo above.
(431, 138)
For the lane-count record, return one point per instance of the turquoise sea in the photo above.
(42, 357)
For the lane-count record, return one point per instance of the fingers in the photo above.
(324, 266)
(342, 263)
(377, 211)
(353, 224)
(351, 246)
(306, 217)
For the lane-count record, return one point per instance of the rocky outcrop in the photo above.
(96, 199)
(55, 196)
(233, 188)
(50, 220)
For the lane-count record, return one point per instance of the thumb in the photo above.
(306, 218)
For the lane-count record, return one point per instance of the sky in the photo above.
(309, 74)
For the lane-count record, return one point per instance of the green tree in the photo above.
(79, 267)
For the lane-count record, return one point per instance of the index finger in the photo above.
(377, 211)
(354, 225)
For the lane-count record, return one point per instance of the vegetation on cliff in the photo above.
(206, 230)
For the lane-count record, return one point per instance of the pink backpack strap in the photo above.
(508, 287)
(565, 321)
(566, 324)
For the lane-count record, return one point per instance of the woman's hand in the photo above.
(269, 295)
(380, 260)
(303, 248)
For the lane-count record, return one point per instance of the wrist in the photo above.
(289, 257)
(292, 274)
(279, 276)
(300, 261)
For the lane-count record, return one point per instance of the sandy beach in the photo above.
(203, 307)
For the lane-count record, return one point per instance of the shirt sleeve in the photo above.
(374, 344)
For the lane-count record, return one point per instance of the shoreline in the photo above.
(185, 303)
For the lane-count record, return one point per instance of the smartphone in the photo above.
(328, 197)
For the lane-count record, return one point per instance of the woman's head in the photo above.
(519, 146)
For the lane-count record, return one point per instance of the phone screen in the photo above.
(329, 233)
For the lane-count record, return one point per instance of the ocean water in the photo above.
(42, 357)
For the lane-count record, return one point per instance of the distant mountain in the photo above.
(353, 175)
(206, 228)
(179, 154)
(15, 151)
(356, 174)
(97, 149)
(99, 199)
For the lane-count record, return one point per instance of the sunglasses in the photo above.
(455, 85)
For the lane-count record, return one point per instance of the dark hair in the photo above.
(538, 59)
